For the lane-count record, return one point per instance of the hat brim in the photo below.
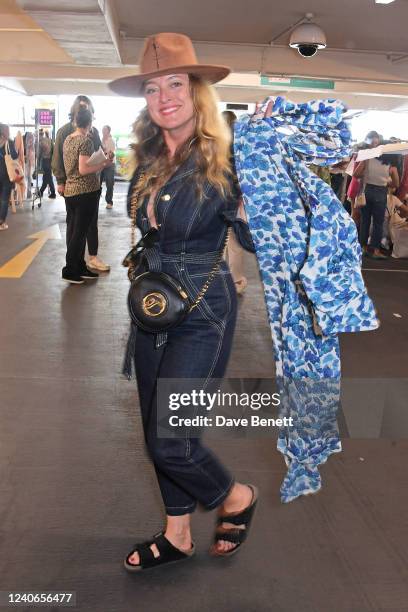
(133, 85)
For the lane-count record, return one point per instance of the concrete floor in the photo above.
(76, 488)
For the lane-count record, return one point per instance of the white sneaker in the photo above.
(98, 264)
(3, 226)
(109, 205)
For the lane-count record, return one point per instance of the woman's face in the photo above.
(169, 101)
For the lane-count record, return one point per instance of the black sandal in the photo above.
(167, 553)
(235, 535)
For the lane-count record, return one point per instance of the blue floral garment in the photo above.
(310, 263)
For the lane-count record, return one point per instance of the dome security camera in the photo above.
(308, 38)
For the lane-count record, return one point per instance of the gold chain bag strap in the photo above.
(157, 301)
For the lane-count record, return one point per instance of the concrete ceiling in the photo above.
(79, 27)
(350, 24)
(79, 45)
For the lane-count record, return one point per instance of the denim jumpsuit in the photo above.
(192, 234)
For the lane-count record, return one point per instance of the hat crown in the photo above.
(165, 51)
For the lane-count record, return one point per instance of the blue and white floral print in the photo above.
(310, 262)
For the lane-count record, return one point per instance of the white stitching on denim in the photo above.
(203, 307)
(176, 177)
(209, 506)
(223, 274)
(208, 475)
(193, 217)
(192, 505)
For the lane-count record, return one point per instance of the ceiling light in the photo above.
(383, 1)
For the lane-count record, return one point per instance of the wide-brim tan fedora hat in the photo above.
(167, 53)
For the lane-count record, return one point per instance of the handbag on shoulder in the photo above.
(360, 200)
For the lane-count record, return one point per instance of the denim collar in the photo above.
(189, 166)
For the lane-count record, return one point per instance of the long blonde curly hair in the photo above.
(210, 142)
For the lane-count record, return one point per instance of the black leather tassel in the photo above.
(127, 368)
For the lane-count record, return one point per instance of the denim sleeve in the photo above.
(240, 227)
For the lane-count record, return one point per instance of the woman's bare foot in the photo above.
(240, 497)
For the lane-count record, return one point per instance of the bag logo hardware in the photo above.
(154, 304)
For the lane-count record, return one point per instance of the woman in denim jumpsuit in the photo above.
(192, 233)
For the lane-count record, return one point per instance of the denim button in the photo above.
(166, 197)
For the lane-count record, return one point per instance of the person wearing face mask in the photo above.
(58, 170)
(378, 176)
(185, 190)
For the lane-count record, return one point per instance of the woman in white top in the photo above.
(108, 175)
(378, 175)
(398, 226)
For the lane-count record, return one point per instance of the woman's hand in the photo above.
(85, 169)
(108, 162)
(268, 111)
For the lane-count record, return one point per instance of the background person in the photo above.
(19, 191)
(82, 191)
(29, 148)
(378, 175)
(108, 174)
(6, 186)
(398, 226)
(59, 171)
(45, 150)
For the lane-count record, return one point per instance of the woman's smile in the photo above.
(169, 110)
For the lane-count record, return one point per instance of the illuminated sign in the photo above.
(296, 82)
(44, 116)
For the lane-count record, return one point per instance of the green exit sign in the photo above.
(297, 82)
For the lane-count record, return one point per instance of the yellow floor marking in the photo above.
(16, 266)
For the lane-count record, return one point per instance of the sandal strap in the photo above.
(146, 556)
(167, 552)
(242, 518)
(235, 536)
(167, 549)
